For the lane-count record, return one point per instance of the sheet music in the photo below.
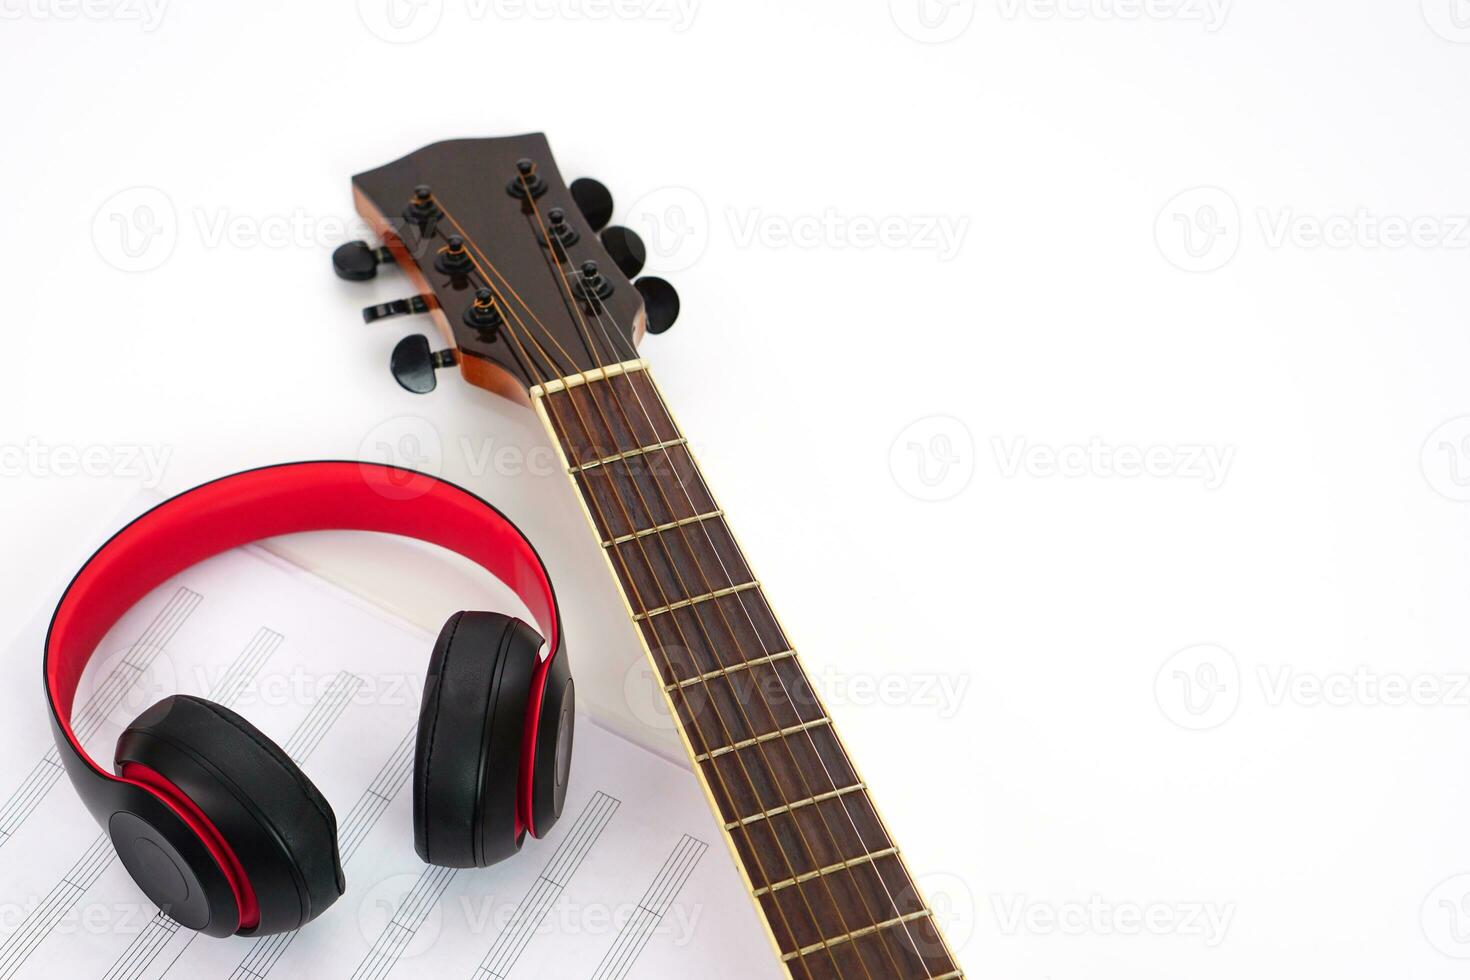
(633, 882)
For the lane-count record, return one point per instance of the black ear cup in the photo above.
(280, 827)
(471, 726)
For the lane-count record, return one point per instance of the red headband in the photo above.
(284, 499)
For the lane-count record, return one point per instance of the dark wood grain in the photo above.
(549, 332)
(827, 878)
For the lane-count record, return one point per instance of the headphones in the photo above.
(214, 822)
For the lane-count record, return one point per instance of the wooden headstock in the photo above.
(509, 262)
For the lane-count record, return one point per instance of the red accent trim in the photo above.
(219, 848)
(287, 499)
(525, 809)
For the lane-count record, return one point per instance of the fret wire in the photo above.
(729, 629)
(684, 694)
(827, 870)
(859, 933)
(918, 952)
(758, 739)
(788, 746)
(916, 949)
(710, 675)
(618, 457)
(596, 308)
(549, 401)
(695, 600)
(797, 805)
(660, 528)
(790, 752)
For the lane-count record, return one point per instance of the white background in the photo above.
(1179, 231)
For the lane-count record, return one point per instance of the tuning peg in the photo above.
(593, 200)
(660, 303)
(358, 261)
(413, 364)
(455, 259)
(626, 249)
(398, 307)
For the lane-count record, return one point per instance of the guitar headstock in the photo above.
(518, 269)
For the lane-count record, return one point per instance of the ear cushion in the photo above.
(273, 817)
(471, 725)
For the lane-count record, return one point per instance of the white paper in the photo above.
(634, 881)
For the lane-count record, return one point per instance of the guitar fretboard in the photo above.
(828, 879)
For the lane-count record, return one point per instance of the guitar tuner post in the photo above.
(454, 259)
(422, 210)
(484, 313)
(526, 178)
(593, 285)
(560, 233)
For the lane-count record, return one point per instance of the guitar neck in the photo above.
(827, 878)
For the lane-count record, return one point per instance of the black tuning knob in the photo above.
(625, 248)
(413, 364)
(593, 200)
(660, 303)
(359, 261)
(398, 307)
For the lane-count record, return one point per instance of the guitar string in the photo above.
(612, 348)
(596, 308)
(591, 343)
(551, 362)
(569, 298)
(684, 694)
(628, 575)
(430, 229)
(704, 743)
(808, 788)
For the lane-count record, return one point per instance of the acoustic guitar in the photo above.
(538, 301)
